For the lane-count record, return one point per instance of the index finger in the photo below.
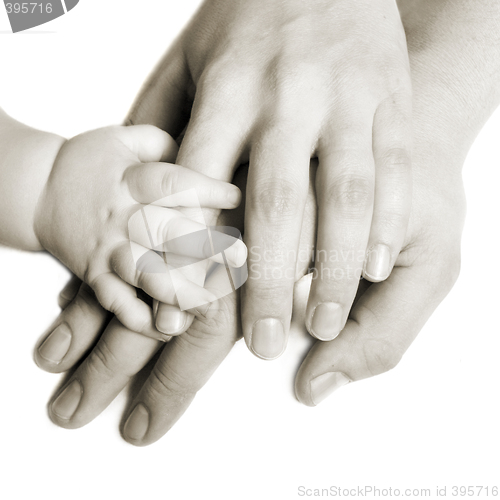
(184, 366)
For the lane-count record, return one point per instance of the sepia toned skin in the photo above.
(270, 82)
(84, 200)
(454, 52)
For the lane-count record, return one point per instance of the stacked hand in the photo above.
(446, 65)
(277, 83)
(108, 230)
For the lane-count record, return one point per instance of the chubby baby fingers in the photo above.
(149, 143)
(169, 185)
(121, 299)
(169, 231)
(171, 280)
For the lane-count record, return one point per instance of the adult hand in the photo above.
(278, 83)
(456, 85)
(456, 89)
(184, 365)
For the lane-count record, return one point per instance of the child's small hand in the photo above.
(108, 200)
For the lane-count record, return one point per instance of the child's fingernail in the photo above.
(56, 345)
(67, 402)
(377, 263)
(170, 320)
(234, 195)
(237, 254)
(326, 321)
(268, 338)
(137, 423)
(324, 385)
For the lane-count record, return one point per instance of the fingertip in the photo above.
(136, 425)
(312, 388)
(378, 263)
(150, 143)
(268, 339)
(326, 321)
(170, 320)
(237, 253)
(218, 194)
(50, 353)
(302, 392)
(63, 410)
(234, 196)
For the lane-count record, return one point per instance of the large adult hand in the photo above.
(456, 86)
(183, 367)
(451, 108)
(280, 82)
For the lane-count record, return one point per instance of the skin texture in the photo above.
(103, 203)
(22, 179)
(455, 56)
(328, 81)
(88, 215)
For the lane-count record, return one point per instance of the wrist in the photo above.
(41, 219)
(24, 171)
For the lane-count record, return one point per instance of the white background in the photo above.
(434, 420)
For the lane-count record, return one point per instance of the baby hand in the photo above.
(107, 213)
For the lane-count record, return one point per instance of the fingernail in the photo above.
(238, 254)
(56, 345)
(268, 338)
(377, 263)
(170, 320)
(69, 292)
(137, 423)
(324, 385)
(234, 195)
(67, 402)
(326, 321)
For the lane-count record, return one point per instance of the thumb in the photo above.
(149, 143)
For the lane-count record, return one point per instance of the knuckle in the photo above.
(117, 306)
(218, 85)
(278, 200)
(223, 324)
(395, 159)
(351, 195)
(205, 330)
(101, 361)
(127, 315)
(166, 381)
